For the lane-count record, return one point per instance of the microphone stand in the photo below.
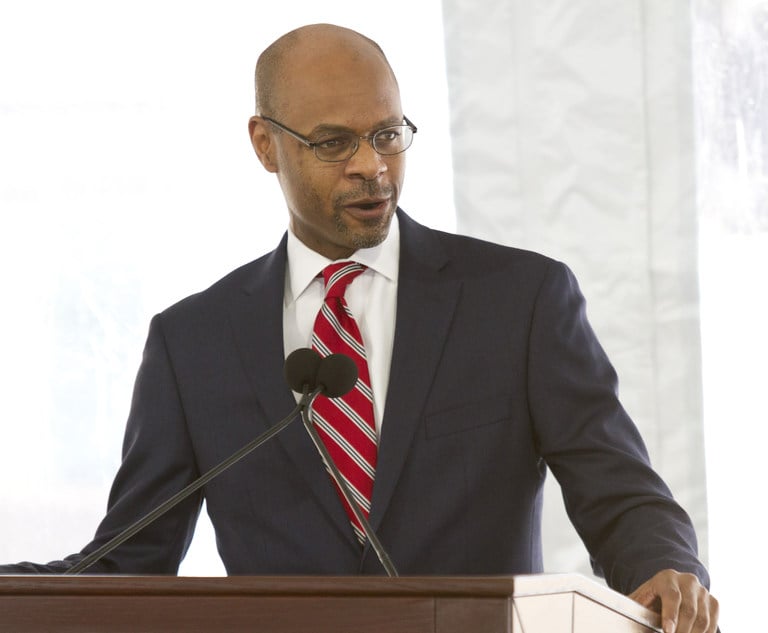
(306, 400)
(381, 553)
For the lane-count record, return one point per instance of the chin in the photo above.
(368, 239)
(372, 232)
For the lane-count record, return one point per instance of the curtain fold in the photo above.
(572, 135)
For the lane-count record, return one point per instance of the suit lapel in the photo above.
(425, 304)
(258, 329)
(257, 324)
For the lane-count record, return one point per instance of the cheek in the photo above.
(295, 181)
(319, 184)
(401, 167)
(308, 193)
(309, 185)
(396, 169)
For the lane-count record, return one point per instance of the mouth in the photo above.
(367, 206)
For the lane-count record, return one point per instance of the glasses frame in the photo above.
(313, 144)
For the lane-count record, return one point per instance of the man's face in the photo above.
(337, 208)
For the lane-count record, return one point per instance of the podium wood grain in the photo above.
(148, 604)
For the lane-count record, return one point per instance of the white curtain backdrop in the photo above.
(572, 131)
(731, 80)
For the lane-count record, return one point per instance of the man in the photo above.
(480, 361)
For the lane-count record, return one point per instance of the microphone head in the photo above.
(337, 375)
(301, 368)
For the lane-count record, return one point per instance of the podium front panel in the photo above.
(508, 604)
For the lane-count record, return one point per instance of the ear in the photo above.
(262, 140)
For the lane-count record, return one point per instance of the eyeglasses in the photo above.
(338, 146)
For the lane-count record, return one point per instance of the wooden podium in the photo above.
(504, 604)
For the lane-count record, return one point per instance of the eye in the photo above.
(334, 143)
(388, 136)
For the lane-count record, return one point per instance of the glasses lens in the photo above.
(336, 147)
(393, 140)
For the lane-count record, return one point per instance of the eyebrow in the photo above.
(327, 127)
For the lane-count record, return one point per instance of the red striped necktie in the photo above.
(346, 424)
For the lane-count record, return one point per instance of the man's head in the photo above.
(317, 81)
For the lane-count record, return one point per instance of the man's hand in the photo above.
(685, 605)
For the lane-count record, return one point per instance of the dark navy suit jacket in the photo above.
(495, 374)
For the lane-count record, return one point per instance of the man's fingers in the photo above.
(645, 596)
(709, 607)
(675, 616)
(685, 605)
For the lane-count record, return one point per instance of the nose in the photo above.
(366, 162)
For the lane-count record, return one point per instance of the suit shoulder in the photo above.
(223, 292)
(475, 254)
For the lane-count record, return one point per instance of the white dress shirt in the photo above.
(372, 298)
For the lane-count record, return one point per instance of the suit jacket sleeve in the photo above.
(620, 507)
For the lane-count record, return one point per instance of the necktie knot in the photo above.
(338, 276)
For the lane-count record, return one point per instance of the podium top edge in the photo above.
(510, 587)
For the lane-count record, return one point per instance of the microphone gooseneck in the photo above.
(300, 370)
(336, 376)
(306, 373)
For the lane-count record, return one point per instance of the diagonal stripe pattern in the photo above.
(346, 424)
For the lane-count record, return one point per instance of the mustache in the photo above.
(368, 190)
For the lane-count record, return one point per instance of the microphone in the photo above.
(306, 373)
(301, 370)
(334, 376)
(337, 375)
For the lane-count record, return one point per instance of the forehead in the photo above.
(346, 84)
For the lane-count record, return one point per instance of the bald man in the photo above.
(482, 367)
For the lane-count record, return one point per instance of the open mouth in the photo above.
(368, 205)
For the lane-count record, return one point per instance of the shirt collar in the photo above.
(304, 264)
